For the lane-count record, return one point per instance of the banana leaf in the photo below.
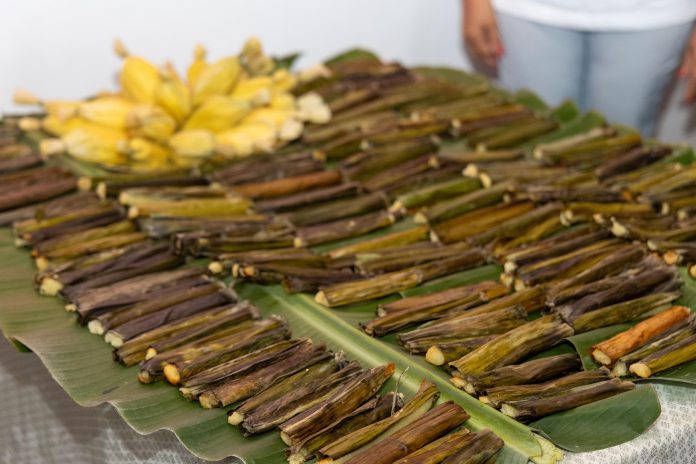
(683, 154)
(350, 55)
(530, 100)
(623, 417)
(81, 363)
(580, 124)
(566, 112)
(453, 75)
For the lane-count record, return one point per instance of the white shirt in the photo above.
(602, 15)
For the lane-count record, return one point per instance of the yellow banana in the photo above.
(218, 113)
(255, 61)
(95, 144)
(283, 101)
(173, 95)
(234, 143)
(245, 140)
(283, 81)
(57, 126)
(50, 147)
(256, 90)
(152, 122)
(194, 143)
(139, 78)
(29, 124)
(215, 79)
(106, 111)
(143, 150)
(197, 66)
(62, 109)
(272, 117)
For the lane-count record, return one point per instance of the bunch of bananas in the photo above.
(234, 107)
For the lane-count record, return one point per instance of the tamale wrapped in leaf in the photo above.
(316, 372)
(298, 401)
(497, 395)
(527, 410)
(367, 289)
(134, 327)
(608, 265)
(392, 282)
(111, 319)
(311, 197)
(465, 325)
(624, 311)
(370, 412)
(238, 366)
(340, 405)
(112, 188)
(421, 402)
(289, 185)
(670, 356)
(609, 351)
(436, 192)
(387, 156)
(229, 392)
(336, 209)
(446, 350)
(450, 297)
(50, 208)
(34, 231)
(427, 428)
(216, 348)
(395, 320)
(124, 263)
(632, 159)
(529, 299)
(518, 343)
(39, 189)
(57, 243)
(265, 168)
(533, 371)
(343, 228)
(169, 335)
(633, 285)
(456, 206)
(440, 449)
(550, 149)
(394, 239)
(399, 174)
(398, 258)
(566, 265)
(478, 221)
(130, 291)
(555, 245)
(482, 448)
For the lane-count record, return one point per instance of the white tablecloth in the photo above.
(40, 424)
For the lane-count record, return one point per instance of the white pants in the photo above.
(622, 74)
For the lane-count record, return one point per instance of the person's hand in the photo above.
(481, 31)
(687, 71)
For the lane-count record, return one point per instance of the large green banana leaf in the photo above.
(81, 363)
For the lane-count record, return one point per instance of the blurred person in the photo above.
(615, 56)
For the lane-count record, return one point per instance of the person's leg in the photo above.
(545, 59)
(629, 72)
